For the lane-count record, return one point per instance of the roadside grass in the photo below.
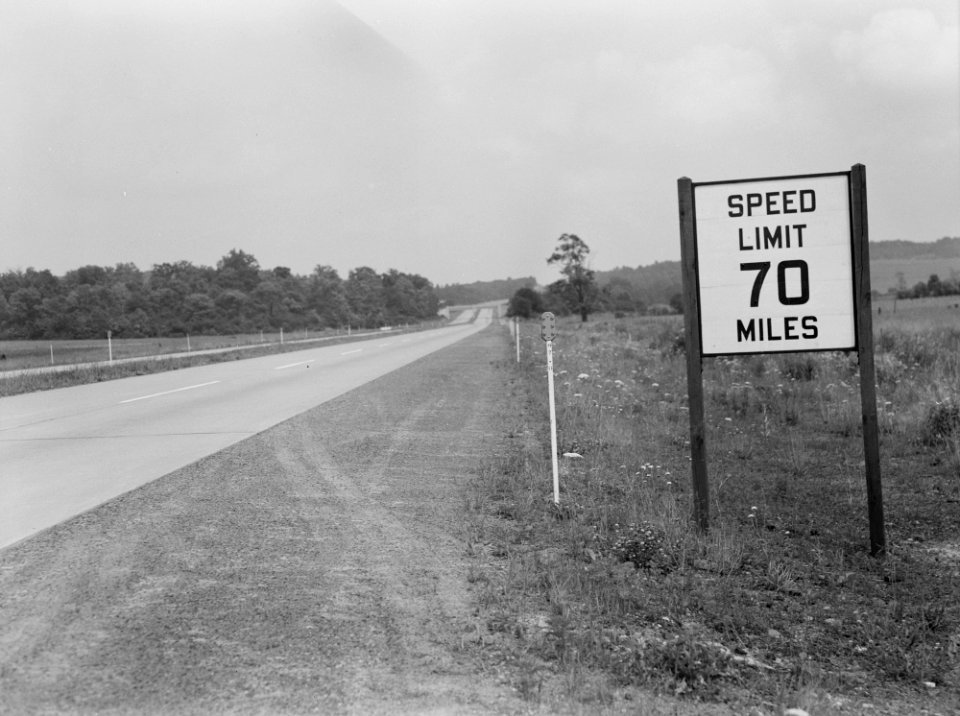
(37, 353)
(97, 372)
(85, 361)
(780, 604)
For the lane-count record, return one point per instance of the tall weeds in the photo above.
(617, 583)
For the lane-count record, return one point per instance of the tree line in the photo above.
(933, 286)
(236, 296)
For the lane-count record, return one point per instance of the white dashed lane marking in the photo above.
(168, 392)
(293, 365)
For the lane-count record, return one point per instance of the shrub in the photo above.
(689, 660)
(689, 665)
(941, 423)
(640, 543)
(669, 342)
(800, 367)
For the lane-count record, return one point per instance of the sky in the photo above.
(456, 139)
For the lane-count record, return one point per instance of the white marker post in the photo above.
(548, 331)
(110, 345)
(516, 334)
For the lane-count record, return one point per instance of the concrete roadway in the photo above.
(65, 451)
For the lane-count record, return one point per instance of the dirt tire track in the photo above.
(315, 568)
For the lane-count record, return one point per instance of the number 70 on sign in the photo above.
(763, 267)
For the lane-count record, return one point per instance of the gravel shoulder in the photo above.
(318, 567)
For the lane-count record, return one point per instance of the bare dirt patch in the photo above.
(318, 567)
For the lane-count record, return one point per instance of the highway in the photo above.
(65, 451)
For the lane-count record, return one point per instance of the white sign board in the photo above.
(775, 265)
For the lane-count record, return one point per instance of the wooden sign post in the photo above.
(868, 378)
(691, 321)
(778, 265)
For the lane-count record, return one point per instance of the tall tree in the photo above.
(291, 310)
(327, 297)
(26, 314)
(427, 301)
(169, 286)
(365, 295)
(234, 310)
(268, 298)
(525, 303)
(31, 294)
(572, 254)
(619, 296)
(238, 270)
(200, 314)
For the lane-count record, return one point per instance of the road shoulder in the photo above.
(318, 566)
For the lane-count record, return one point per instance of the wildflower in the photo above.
(640, 543)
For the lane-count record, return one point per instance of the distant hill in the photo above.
(893, 265)
(945, 248)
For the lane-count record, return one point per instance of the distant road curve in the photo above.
(65, 451)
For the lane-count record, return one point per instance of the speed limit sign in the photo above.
(778, 265)
(775, 265)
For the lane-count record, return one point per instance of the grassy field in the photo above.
(780, 604)
(933, 310)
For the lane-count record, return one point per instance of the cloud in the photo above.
(905, 49)
(715, 85)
